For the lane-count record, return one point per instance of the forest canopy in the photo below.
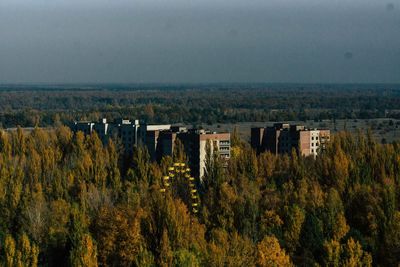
(67, 200)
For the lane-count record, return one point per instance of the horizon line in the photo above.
(185, 83)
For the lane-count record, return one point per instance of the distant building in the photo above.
(130, 133)
(127, 131)
(85, 127)
(194, 143)
(150, 136)
(167, 140)
(102, 129)
(282, 138)
(217, 141)
(160, 140)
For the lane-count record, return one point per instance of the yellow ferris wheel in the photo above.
(182, 184)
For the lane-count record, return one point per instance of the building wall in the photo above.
(283, 138)
(314, 140)
(283, 141)
(160, 140)
(151, 143)
(124, 129)
(191, 143)
(305, 144)
(218, 142)
(128, 133)
(166, 144)
(102, 129)
(257, 136)
(270, 141)
(85, 127)
(195, 142)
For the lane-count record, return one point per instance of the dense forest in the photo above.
(29, 106)
(67, 200)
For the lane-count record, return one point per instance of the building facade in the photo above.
(150, 138)
(125, 130)
(85, 127)
(195, 144)
(283, 138)
(160, 140)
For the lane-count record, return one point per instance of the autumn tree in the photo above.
(117, 232)
(270, 253)
(21, 252)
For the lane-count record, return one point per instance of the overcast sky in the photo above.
(180, 41)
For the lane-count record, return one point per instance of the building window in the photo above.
(312, 138)
(312, 150)
(316, 138)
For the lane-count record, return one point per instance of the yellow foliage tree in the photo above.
(21, 253)
(166, 255)
(10, 250)
(332, 250)
(350, 254)
(270, 253)
(354, 256)
(117, 232)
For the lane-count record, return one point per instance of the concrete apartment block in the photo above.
(283, 138)
(160, 140)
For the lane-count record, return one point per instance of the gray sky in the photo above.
(72, 41)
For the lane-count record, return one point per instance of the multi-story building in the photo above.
(130, 133)
(127, 131)
(218, 141)
(102, 129)
(167, 140)
(150, 136)
(313, 141)
(85, 127)
(195, 145)
(283, 138)
(160, 140)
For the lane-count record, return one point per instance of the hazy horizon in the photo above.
(178, 42)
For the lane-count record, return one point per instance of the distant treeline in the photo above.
(46, 105)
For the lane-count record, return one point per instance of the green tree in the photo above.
(84, 254)
(293, 226)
